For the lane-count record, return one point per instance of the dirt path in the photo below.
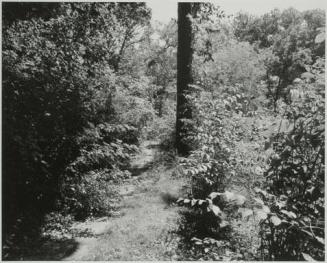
(145, 228)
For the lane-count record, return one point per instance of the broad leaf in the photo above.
(200, 202)
(320, 38)
(275, 220)
(216, 210)
(213, 195)
(290, 214)
(230, 197)
(258, 201)
(307, 257)
(320, 240)
(224, 224)
(266, 209)
(193, 202)
(187, 201)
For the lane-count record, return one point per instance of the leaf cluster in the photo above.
(296, 178)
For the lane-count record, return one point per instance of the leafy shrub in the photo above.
(92, 195)
(58, 75)
(134, 111)
(208, 162)
(210, 210)
(214, 130)
(133, 102)
(296, 177)
(56, 225)
(163, 128)
(238, 64)
(213, 133)
(88, 187)
(290, 40)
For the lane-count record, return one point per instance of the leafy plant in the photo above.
(296, 177)
(289, 37)
(89, 184)
(56, 225)
(60, 73)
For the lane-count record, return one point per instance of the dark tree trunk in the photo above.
(184, 74)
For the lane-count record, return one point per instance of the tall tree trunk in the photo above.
(184, 74)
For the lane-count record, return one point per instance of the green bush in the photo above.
(296, 177)
(89, 182)
(163, 128)
(56, 225)
(92, 195)
(216, 127)
(60, 75)
(213, 133)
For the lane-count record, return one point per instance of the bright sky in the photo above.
(164, 10)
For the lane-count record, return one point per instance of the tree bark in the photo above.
(184, 74)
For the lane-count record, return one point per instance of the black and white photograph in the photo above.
(163, 130)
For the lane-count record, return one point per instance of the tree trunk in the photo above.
(121, 51)
(184, 74)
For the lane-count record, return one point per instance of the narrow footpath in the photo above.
(145, 228)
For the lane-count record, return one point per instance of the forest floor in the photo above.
(145, 228)
(148, 224)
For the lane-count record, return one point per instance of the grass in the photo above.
(149, 222)
(150, 227)
(143, 228)
(144, 232)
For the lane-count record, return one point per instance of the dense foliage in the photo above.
(290, 37)
(243, 71)
(104, 154)
(85, 83)
(71, 119)
(296, 176)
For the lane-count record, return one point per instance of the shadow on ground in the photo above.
(136, 171)
(41, 249)
(202, 239)
(54, 250)
(143, 230)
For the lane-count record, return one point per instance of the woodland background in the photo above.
(83, 84)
